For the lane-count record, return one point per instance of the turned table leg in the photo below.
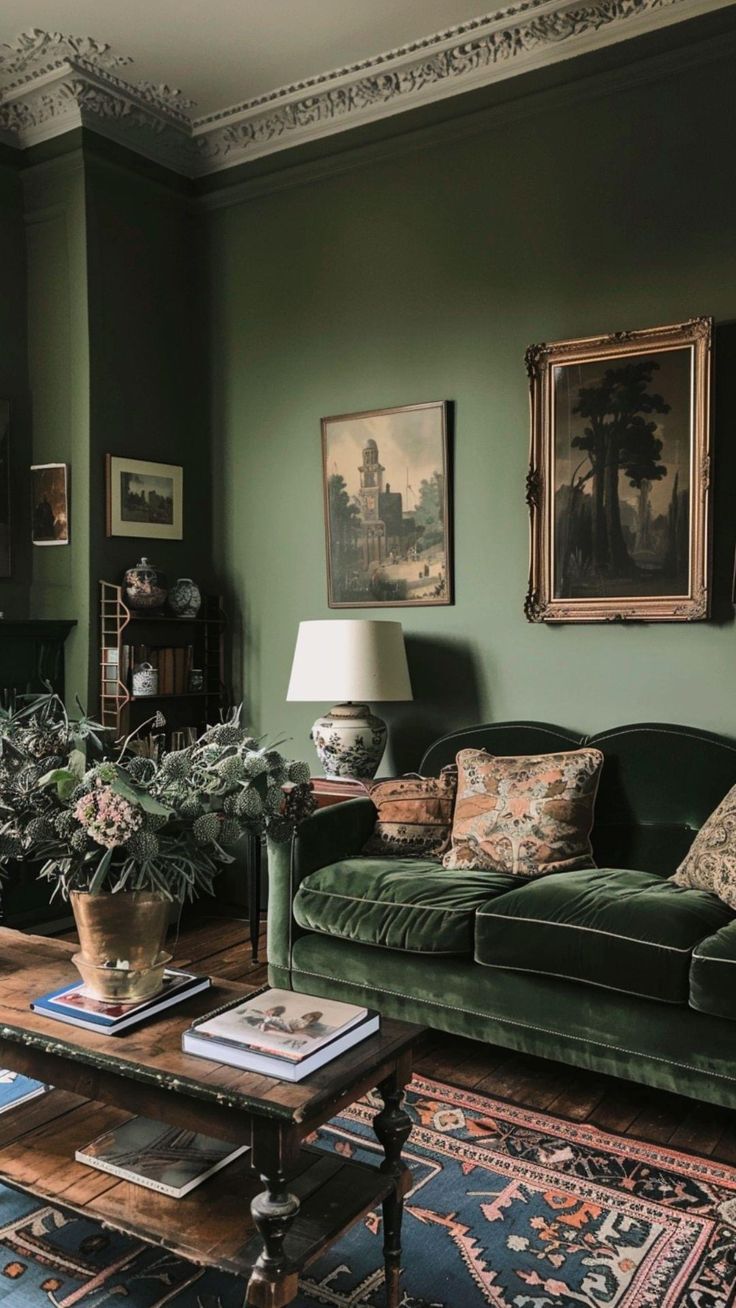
(392, 1127)
(272, 1283)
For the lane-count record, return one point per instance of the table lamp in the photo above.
(349, 660)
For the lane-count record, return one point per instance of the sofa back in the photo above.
(660, 782)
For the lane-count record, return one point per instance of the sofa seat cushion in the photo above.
(402, 903)
(713, 974)
(629, 931)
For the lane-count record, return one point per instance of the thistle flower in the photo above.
(143, 845)
(230, 833)
(299, 773)
(206, 829)
(39, 830)
(248, 804)
(225, 733)
(176, 766)
(274, 799)
(254, 765)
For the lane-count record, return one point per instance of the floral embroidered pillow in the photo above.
(414, 816)
(710, 863)
(526, 815)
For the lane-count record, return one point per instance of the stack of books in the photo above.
(173, 663)
(159, 1157)
(16, 1089)
(73, 1004)
(279, 1033)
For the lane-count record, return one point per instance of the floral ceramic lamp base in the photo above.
(350, 741)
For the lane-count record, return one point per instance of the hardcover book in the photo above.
(280, 1033)
(16, 1089)
(75, 1005)
(157, 1156)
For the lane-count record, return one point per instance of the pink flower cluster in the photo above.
(106, 817)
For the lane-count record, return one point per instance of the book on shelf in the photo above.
(159, 1157)
(73, 1004)
(16, 1089)
(280, 1033)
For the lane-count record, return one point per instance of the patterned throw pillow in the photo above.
(414, 816)
(525, 815)
(710, 863)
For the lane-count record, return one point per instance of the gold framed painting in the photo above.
(387, 507)
(50, 503)
(144, 499)
(619, 477)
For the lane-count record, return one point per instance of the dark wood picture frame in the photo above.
(388, 548)
(619, 479)
(147, 528)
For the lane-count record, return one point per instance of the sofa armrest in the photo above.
(339, 831)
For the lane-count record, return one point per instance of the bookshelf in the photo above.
(176, 645)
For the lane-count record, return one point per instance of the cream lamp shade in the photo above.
(344, 659)
(349, 661)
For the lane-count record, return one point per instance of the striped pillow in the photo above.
(414, 816)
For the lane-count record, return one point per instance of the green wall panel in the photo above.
(14, 590)
(424, 276)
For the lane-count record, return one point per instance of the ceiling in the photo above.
(226, 51)
(201, 87)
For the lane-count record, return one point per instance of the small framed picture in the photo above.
(387, 507)
(144, 499)
(50, 503)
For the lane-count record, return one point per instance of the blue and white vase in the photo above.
(350, 741)
(185, 598)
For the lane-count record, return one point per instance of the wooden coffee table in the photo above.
(301, 1199)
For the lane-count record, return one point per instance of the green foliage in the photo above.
(129, 823)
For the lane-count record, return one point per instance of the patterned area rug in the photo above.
(509, 1207)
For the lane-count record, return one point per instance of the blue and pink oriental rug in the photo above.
(509, 1207)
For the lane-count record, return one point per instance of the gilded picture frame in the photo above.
(619, 477)
(387, 507)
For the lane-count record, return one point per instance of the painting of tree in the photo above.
(619, 481)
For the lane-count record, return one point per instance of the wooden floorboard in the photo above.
(222, 947)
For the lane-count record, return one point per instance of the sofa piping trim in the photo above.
(664, 730)
(529, 1026)
(580, 980)
(707, 958)
(572, 926)
(386, 903)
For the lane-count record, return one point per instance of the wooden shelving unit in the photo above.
(123, 711)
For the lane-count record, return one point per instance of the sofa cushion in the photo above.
(713, 974)
(711, 862)
(401, 903)
(414, 816)
(623, 930)
(526, 815)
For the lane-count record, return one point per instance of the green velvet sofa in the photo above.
(611, 968)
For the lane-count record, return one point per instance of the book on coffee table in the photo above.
(16, 1089)
(280, 1033)
(157, 1156)
(74, 1004)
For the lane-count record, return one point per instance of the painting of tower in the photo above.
(387, 546)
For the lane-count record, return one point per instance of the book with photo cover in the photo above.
(159, 1157)
(73, 1004)
(280, 1033)
(16, 1089)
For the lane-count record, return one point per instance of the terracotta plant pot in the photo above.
(121, 940)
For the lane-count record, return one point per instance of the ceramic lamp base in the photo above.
(350, 741)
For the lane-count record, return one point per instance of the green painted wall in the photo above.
(424, 277)
(147, 359)
(58, 360)
(14, 590)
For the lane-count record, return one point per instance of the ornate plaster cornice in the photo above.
(50, 82)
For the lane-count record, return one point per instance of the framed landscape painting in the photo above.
(618, 486)
(5, 552)
(50, 504)
(144, 499)
(387, 507)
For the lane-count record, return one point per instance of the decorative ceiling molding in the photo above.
(51, 83)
